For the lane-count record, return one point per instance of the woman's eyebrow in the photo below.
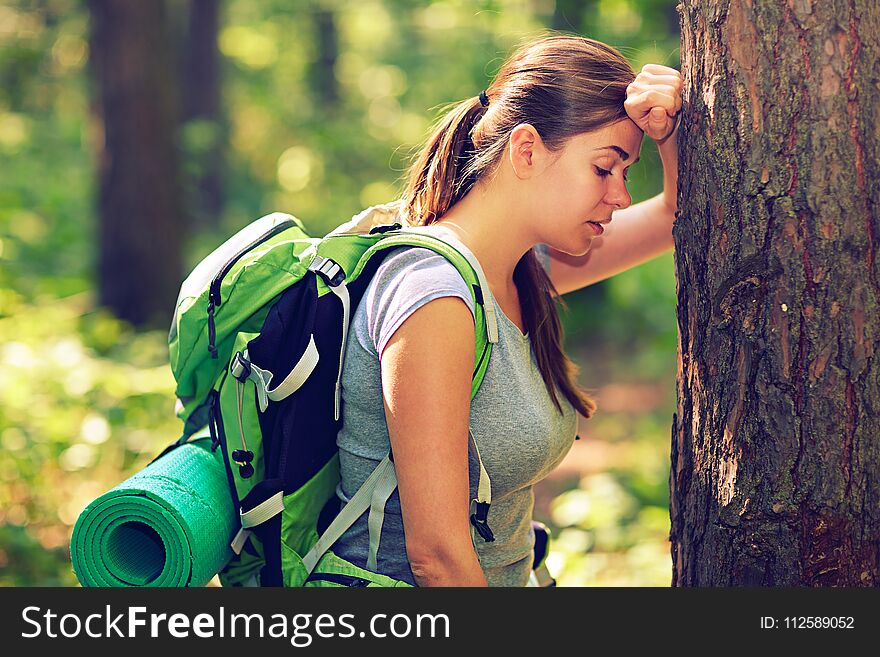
(623, 154)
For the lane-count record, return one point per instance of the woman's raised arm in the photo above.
(426, 381)
(635, 235)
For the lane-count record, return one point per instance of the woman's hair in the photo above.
(563, 86)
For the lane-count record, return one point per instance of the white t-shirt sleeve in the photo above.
(407, 279)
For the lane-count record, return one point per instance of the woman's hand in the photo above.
(653, 100)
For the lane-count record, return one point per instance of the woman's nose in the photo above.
(618, 195)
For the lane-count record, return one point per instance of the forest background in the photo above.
(86, 399)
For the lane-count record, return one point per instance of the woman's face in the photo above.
(586, 182)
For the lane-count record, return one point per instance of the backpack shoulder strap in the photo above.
(479, 519)
(376, 490)
(469, 268)
(450, 240)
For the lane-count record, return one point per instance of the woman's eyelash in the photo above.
(605, 172)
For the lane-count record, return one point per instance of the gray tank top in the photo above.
(520, 433)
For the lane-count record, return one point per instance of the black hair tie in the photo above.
(484, 99)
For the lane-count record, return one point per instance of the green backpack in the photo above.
(257, 346)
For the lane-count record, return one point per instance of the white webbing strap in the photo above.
(542, 576)
(298, 375)
(484, 486)
(374, 494)
(265, 510)
(384, 488)
(356, 506)
(455, 243)
(240, 538)
(341, 291)
(484, 493)
(291, 383)
(329, 270)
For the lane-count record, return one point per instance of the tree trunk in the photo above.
(322, 76)
(140, 213)
(202, 117)
(775, 476)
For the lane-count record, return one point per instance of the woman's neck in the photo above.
(488, 227)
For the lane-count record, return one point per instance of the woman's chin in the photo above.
(577, 250)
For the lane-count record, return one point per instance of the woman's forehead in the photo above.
(618, 139)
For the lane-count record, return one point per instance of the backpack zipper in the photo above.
(214, 294)
(338, 578)
(214, 299)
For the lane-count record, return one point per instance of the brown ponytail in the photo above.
(563, 86)
(444, 171)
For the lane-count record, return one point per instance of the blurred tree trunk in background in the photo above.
(140, 213)
(322, 74)
(775, 475)
(204, 129)
(672, 17)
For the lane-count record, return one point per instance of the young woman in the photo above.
(539, 158)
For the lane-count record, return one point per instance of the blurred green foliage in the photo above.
(85, 401)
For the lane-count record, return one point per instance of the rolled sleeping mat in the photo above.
(168, 525)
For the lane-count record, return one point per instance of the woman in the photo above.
(539, 158)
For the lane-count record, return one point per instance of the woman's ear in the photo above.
(524, 150)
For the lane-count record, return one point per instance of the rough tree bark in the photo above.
(775, 476)
(140, 211)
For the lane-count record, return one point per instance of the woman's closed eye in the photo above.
(605, 172)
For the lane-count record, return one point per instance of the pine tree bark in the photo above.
(140, 213)
(775, 477)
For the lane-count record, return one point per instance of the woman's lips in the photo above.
(597, 227)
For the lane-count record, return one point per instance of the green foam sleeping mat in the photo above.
(168, 525)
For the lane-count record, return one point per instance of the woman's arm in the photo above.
(426, 389)
(635, 235)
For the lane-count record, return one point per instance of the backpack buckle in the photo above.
(329, 270)
(240, 368)
(480, 521)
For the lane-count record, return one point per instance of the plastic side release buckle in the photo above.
(240, 368)
(329, 270)
(480, 522)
